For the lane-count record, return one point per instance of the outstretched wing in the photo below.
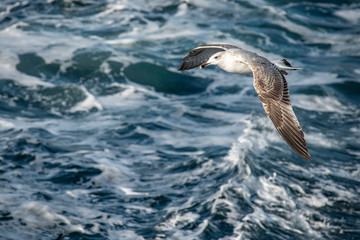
(201, 54)
(271, 86)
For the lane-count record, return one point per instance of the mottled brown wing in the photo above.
(201, 54)
(273, 91)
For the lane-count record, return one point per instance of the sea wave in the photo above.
(103, 138)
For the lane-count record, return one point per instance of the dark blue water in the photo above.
(102, 137)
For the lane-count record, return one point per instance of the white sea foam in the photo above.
(71, 194)
(59, 47)
(339, 42)
(271, 197)
(178, 221)
(357, 71)
(235, 151)
(275, 11)
(128, 97)
(252, 139)
(8, 70)
(129, 191)
(113, 8)
(351, 15)
(110, 171)
(6, 124)
(296, 214)
(315, 78)
(114, 174)
(316, 200)
(320, 139)
(273, 205)
(8, 10)
(86, 105)
(319, 103)
(39, 215)
(175, 25)
(124, 234)
(271, 202)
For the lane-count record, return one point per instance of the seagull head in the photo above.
(213, 60)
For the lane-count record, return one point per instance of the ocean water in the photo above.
(102, 137)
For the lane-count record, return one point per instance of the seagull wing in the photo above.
(201, 54)
(271, 86)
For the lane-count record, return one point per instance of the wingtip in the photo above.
(305, 155)
(181, 67)
(285, 62)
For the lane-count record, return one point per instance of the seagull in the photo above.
(269, 83)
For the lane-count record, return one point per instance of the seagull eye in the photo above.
(216, 57)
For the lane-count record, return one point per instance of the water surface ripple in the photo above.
(102, 137)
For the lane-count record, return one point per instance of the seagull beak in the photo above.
(204, 65)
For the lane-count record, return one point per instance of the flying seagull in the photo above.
(269, 83)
